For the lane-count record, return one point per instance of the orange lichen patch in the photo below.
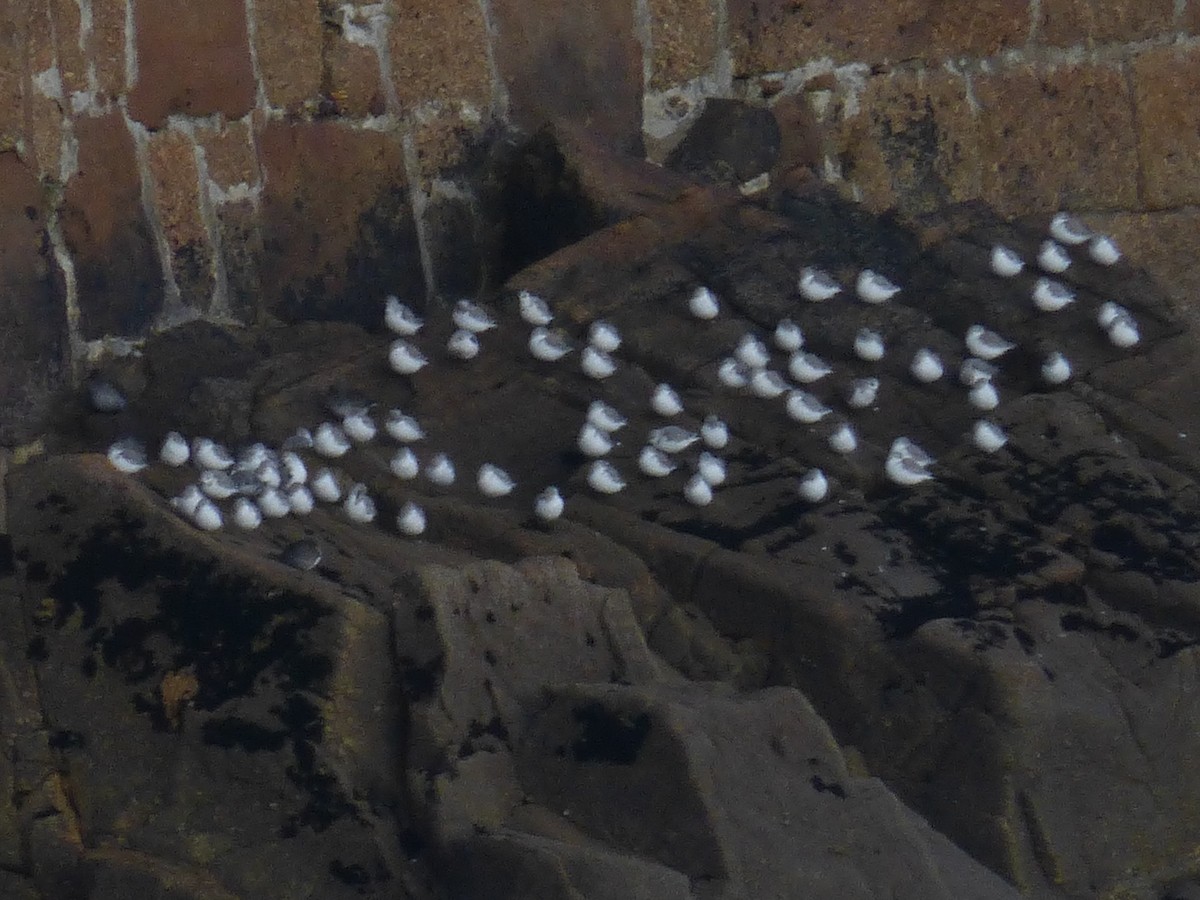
(177, 688)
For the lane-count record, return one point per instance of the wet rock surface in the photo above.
(981, 686)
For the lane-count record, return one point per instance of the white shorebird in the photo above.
(714, 432)
(605, 417)
(206, 516)
(868, 345)
(655, 463)
(1056, 368)
(403, 428)
(548, 505)
(1053, 257)
(300, 499)
(330, 440)
(988, 436)
(697, 491)
(905, 471)
(788, 336)
(1104, 250)
(666, 401)
(767, 383)
(817, 285)
(463, 344)
(534, 310)
(217, 484)
(208, 454)
(404, 464)
(803, 407)
(300, 439)
(245, 514)
(604, 478)
(843, 439)
(325, 486)
(358, 505)
(1006, 262)
(986, 344)
(807, 367)
(359, 427)
(907, 447)
(174, 450)
(493, 481)
(926, 366)
(711, 468)
(547, 344)
(593, 442)
(404, 358)
(596, 363)
(127, 455)
(1051, 296)
(1066, 229)
(273, 503)
(472, 317)
(410, 520)
(863, 392)
(1108, 313)
(984, 396)
(292, 468)
(604, 336)
(813, 486)
(672, 438)
(399, 317)
(440, 470)
(703, 304)
(104, 396)
(1123, 331)
(752, 352)
(187, 501)
(873, 288)
(974, 370)
(733, 373)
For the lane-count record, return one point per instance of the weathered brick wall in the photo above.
(167, 159)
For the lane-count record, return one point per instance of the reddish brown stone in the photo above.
(172, 158)
(1166, 82)
(72, 65)
(44, 135)
(354, 83)
(106, 48)
(33, 341)
(288, 46)
(229, 154)
(439, 53)
(1059, 138)
(779, 35)
(241, 256)
(579, 62)
(683, 41)
(1190, 22)
(192, 59)
(116, 269)
(338, 232)
(1070, 22)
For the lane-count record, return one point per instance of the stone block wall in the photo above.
(244, 159)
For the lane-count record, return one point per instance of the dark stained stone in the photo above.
(242, 256)
(731, 142)
(117, 271)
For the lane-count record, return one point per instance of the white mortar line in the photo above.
(418, 201)
(500, 98)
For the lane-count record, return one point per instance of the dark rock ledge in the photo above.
(983, 687)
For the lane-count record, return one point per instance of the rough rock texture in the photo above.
(980, 687)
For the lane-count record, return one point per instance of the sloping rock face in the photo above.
(980, 686)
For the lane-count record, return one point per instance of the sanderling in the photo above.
(534, 310)
(292, 467)
(1066, 229)
(1005, 262)
(974, 370)
(300, 439)
(187, 501)
(404, 464)
(592, 441)
(440, 470)
(596, 363)
(400, 318)
(813, 486)
(697, 491)
(300, 499)
(604, 478)
(548, 505)
(404, 358)
(711, 468)
(174, 450)
(672, 438)
(863, 392)
(988, 436)
(463, 344)
(843, 439)
(767, 383)
(403, 428)
(984, 395)
(343, 402)
(330, 441)
(752, 352)
(208, 454)
(666, 401)
(1056, 369)
(206, 516)
(1051, 296)
(325, 486)
(358, 506)
(410, 520)
(817, 285)
(273, 503)
(788, 336)
(217, 484)
(1108, 313)
(604, 336)
(1053, 257)
(986, 344)
(472, 317)
(1104, 250)
(733, 373)
(104, 396)
(807, 367)
(245, 514)
(907, 447)
(268, 473)
(494, 481)
(714, 432)
(246, 483)
(359, 427)
(926, 366)
(655, 463)
(1123, 331)
(605, 417)
(872, 287)
(905, 471)
(548, 344)
(868, 345)
(803, 407)
(252, 456)
(703, 304)
(304, 554)
(127, 455)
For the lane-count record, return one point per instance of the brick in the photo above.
(106, 47)
(116, 268)
(172, 160)
(778, 35)
(1066, 23)
(288, 46)
(915, 144)
(192, 59)
(242, 255)
(445, 140)
(33, 342)
(595, 44)
(229, 154)
(439, 53)
(1057, 138)
(72, 64)
(354, 79)
(683, 41)
(338, 229)
(45, 135)
(1166, 83)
